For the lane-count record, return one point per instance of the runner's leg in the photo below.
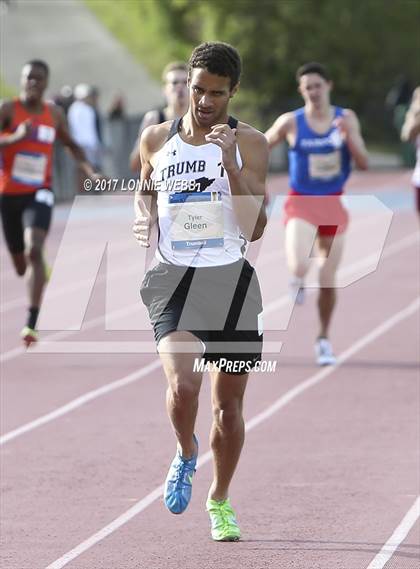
(228, 432)
(183, 386)
(11, 208)
(300, 237)
(330, 250)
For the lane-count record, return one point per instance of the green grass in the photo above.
(132, 23)
(139, 27)
(6, 91)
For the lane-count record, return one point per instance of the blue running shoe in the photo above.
(178, 483)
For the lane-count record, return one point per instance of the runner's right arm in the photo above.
(22, 131)
(149, 119)
(280, 130)
(145, 199)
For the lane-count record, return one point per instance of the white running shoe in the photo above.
(324, 352)
(297, 290)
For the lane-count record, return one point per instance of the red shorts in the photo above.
(325, 212)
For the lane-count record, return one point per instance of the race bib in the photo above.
(29, 168)
(325, 166)
(196, 220)
(45, 133)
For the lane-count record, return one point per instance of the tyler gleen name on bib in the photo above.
(193, 223)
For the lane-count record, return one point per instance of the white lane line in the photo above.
(57, 336)
(284, 300)
(311, 287)
(79, 401)
(252, 423)
(397, 537)
(21, 300)
(391, 250)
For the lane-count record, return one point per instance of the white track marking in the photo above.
(251, 424)
(79, 401)
(123, 347)
(397, 537)
(284, 300)
(57, 336)
(21, 301)
(391, 250)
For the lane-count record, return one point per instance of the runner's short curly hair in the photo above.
(39, 63)
(218, 58)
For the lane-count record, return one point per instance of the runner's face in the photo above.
(315, 90)
(34, 81)
(176, 90)
(209, 97)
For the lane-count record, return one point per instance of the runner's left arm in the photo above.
(247, 182)
(349, 128)
(76, 151)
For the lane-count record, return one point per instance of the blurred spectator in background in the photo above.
(411, 132)
(84, 123)
(117, 107)
(399, 94)
(94, 101)
(175, 90)
(397, 102)
(6, 4)
(65, 98)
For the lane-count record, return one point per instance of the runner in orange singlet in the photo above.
(28, 127)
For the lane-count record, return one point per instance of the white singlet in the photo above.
(197, 224)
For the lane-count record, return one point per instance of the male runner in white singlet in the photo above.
(203, 297)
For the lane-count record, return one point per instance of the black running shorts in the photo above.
(220, 305)
(24, 210)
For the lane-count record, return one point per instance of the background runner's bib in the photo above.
(324, 166)
(197, 226)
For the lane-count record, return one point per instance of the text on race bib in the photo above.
(45, 133)
(196, 220)
(29, 168)
(325, 166)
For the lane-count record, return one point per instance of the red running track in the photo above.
(325, 477)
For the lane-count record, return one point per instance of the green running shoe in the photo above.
(224, 526)
(29, 336)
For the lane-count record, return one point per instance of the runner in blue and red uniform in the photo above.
(323, 140)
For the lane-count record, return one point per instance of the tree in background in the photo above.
(365, 44)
